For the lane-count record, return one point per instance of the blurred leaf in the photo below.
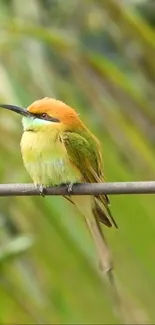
(15, 248)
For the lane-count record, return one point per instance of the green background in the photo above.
(98, 57)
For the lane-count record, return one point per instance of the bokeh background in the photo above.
(98, 57)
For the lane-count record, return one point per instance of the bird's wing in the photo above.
(85, 155)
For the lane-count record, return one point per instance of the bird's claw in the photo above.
(41, 189)
(70, 188)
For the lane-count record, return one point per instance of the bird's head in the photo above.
(46, 112)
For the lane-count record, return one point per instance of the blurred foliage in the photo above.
(97, 56)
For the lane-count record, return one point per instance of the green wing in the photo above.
(85, 155)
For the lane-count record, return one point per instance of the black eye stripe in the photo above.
(47, 117)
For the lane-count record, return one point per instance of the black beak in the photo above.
(17, 109)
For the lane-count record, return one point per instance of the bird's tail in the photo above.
(85, 205)
(102, 212)
(92, 213)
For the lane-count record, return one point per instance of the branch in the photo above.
(146, 187)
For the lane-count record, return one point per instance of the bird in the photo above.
(58, 148)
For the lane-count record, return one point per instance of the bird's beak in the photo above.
(17, 109)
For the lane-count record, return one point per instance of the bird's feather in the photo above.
(85, 155)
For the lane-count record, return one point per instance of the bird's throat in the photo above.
(35, 124)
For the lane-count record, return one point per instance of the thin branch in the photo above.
(146, 187)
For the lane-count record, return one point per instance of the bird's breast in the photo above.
(46, 159)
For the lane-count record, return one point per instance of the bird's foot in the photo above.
(70, 188)
(41, 189)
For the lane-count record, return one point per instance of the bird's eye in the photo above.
(43, 115)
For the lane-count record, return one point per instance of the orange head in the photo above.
(54, 111)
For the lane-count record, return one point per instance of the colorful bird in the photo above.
(57, 148)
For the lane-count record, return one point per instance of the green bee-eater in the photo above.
(57, 148)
